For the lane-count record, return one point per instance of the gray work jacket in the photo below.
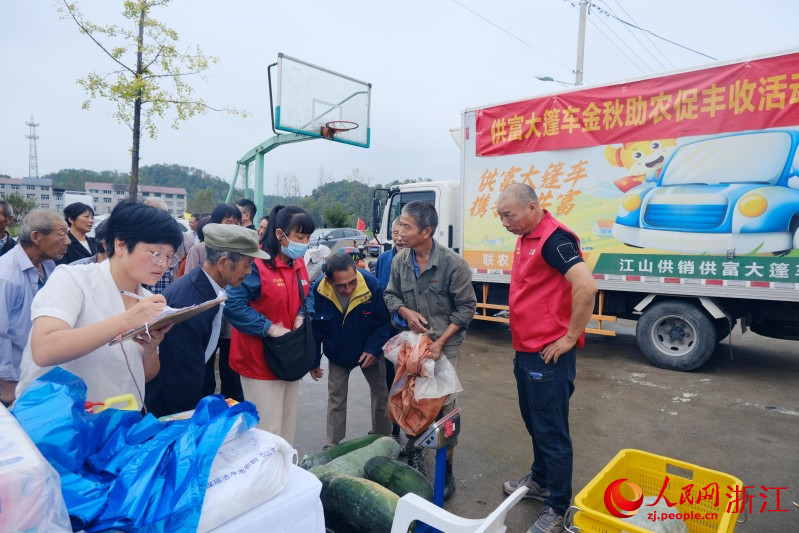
(443, 294)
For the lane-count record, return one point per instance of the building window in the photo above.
(15, 187)
(120, 193)
(145, 194)
(170, 203)
(30, 187)
(180, 196)
(44, 188)
(45, 197)
(107, 191)
(2, 186)
(29, 195)
(106, 200)
(169, 196)
(96, 200)
(45, 206)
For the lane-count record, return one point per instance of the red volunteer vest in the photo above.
(540, 297)
(279, 302)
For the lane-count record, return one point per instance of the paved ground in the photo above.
(739, 416)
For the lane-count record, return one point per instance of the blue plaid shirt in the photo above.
(162, 283)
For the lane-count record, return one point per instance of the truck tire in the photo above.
(676, 335)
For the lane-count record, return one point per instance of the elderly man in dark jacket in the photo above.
(351, 324)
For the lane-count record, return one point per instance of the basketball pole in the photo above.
(257, 155)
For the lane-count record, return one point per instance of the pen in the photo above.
(535, 375)
(132, 295)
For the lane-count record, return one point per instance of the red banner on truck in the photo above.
(757, 94)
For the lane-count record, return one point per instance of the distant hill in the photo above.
(205, 190)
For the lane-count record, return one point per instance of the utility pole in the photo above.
(33, 163)
(578, 74)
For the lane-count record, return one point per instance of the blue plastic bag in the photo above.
(119, 469)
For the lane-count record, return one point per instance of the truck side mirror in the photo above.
(376, 222)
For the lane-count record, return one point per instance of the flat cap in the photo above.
(232, 238)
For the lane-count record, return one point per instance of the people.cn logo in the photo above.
(620, 506)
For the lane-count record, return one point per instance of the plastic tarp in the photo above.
(119, 469)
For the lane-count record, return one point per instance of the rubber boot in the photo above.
(415, 456)
(449, 480)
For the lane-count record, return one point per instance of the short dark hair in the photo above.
(200, 225)
(74, 210)
(5, 207)
(423, 214)
(222, 211)
(337, 263)
(248, 206)
(132, 223)
(212, 255)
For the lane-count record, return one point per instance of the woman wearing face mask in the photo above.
(268, 304)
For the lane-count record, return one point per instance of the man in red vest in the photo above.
(551, 300)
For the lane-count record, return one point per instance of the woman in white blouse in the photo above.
(83, 307)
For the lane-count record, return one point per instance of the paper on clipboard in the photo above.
(170, 315)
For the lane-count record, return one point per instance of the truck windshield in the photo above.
(749, 158)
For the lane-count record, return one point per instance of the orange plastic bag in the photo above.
(412, 415)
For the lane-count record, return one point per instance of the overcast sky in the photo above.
(427, 61)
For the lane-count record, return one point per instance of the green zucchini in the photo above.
(343, 448)
(398, 477)
(352, 463)
(364, 504)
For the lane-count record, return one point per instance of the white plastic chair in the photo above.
(412, 507)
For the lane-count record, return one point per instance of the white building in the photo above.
(107, 195)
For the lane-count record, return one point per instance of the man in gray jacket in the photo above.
(430, 291)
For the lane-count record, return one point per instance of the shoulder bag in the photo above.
(292, 355)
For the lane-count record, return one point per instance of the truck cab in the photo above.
(733, 194)
(444, 195)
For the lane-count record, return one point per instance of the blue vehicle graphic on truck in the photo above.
(733, 195)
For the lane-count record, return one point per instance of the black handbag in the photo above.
(292, 355)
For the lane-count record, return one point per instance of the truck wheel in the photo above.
(676, 335)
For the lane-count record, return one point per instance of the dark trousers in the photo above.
(231, 382)
(544, 404)
(390, 373)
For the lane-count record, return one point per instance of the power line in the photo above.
(617, 46)
(643, 45)
(630, 48)
(503, 30)
(609, 14)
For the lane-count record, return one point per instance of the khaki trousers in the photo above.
(276, 401)
(338, 379)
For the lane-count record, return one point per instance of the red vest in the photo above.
(279, 302)
(540, 298)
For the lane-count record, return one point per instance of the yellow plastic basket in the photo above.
(649, 471)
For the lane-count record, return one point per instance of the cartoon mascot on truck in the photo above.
(643, 159)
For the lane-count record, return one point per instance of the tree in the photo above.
(203, 201)
(336, 217)
(152, 81)
(21, 206)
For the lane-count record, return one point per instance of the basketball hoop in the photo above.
(330, 129)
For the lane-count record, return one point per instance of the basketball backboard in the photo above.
(318, 102)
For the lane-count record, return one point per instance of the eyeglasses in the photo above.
(160, 258)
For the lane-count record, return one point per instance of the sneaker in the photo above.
(534, 490)
(548, 522)
(416, 460)
(327, 447)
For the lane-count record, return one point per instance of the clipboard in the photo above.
(168, 316)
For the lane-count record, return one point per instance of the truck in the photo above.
(683, 189)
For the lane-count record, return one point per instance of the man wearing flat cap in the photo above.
(189, 344)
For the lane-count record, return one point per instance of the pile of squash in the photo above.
(362, 480)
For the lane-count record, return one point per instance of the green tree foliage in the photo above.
(150, 72)
(21, 206)
(335, 216)
(202, 202)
